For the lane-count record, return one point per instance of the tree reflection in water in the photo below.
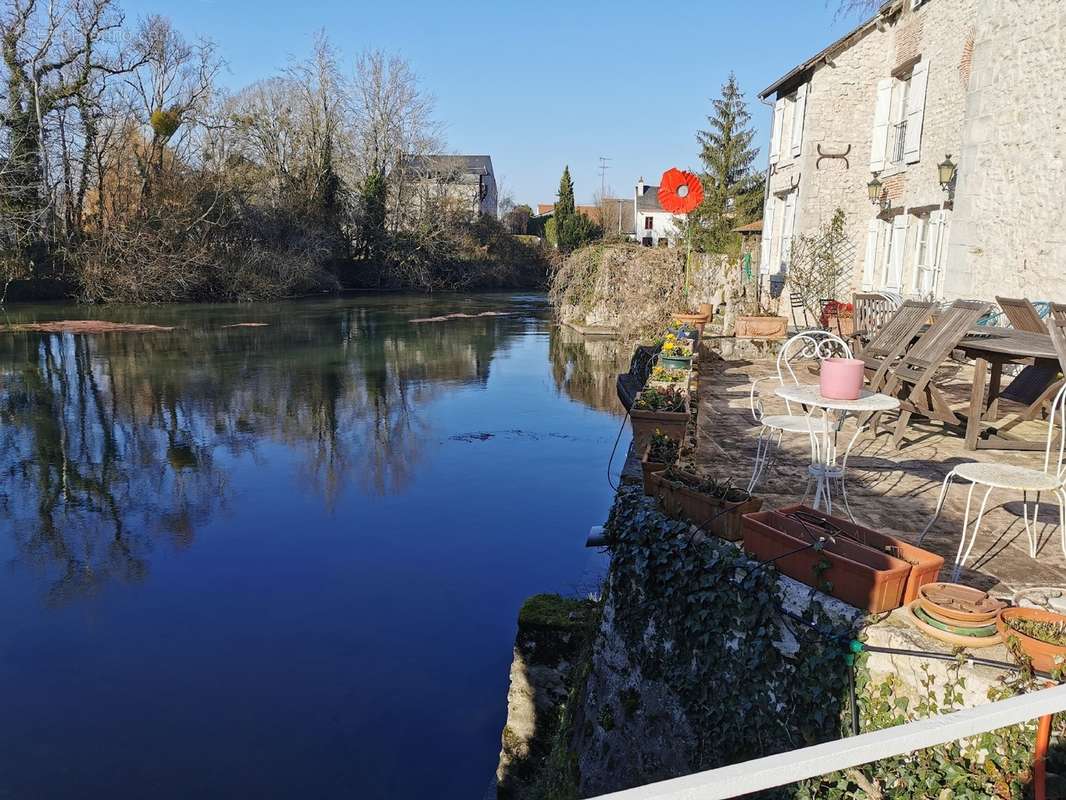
(112, 443)
(585, 367)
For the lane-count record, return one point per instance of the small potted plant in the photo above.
(1039, 634)
(671, 377)
(838, 318)
(716, 506)
(687, 332)
(662, 409)
(660, 453)
(676, 353)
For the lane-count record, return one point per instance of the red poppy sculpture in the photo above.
(680, 192)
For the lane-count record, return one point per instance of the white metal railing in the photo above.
(821, 759)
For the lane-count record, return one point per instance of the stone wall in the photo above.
(839, 115)
(1008, 229)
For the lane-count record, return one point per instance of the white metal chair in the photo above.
(809, 345)
(1051, 479)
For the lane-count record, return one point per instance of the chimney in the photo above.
(640, 186)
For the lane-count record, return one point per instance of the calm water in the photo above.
(285, 561)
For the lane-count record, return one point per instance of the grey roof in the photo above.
(649, 201)
(443, 165)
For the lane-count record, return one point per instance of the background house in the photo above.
(654, 226)
(468, 182)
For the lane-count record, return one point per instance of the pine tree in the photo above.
(732, 188)
(572, 230)
(564, 205)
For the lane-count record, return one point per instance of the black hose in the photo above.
(854, 702)
(984, 662)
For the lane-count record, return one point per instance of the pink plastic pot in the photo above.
(842, 378)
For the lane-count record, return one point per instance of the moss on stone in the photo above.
(554, 611)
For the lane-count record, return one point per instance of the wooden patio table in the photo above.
(991, 349)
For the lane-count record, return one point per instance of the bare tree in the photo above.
(847, 8)
(171, 89)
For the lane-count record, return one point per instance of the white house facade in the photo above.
(654, 226)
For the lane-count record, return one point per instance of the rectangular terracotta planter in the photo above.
(649, 468)
(702, 510)
(925, 565)
(760, 327)
(669, 423)
(860, 575)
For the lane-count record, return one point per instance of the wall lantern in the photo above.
(947, 170)
(875, 188)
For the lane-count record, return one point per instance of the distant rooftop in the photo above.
(649, 200)
(450, 165)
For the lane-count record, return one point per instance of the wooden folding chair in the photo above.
(894, 336)
(872, 311)
(912, 379)
(1022, 314)
(1037, 383)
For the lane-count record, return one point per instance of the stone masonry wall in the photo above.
(1008, 229)
(840, 109)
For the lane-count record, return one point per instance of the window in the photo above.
(898, 137)
(648, 223)
(899, 114)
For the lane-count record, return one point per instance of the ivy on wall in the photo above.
(700, 617)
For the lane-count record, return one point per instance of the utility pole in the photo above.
(604, 166)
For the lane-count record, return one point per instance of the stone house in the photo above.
(925, 83)
(468, 182)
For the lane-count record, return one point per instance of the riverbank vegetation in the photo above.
(128, 173)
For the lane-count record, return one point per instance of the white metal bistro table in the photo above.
(825, 467)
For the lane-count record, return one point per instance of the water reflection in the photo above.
(112, 440)
(585, 367)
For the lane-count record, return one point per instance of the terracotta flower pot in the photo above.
(1045, 656)
(842, 326)
(714, 515)
(649, 468)
(645, 423)
(925, 565)
(761, 327)
(697, 321)
(842, 378)
(859, 575)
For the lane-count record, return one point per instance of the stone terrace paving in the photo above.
(890, 490)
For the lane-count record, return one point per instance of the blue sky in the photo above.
(542, 84)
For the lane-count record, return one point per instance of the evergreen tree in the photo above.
(732, 188)
(572, 230)
(564, 204)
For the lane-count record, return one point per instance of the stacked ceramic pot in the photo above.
(958, 615)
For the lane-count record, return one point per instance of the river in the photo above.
(286, 560)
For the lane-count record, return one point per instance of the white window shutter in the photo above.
(882, 112)
(767, 235)
(799, 109)
(912, 142)
(894, 279)
(873, 228)
(776, 133)
(788, 224)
